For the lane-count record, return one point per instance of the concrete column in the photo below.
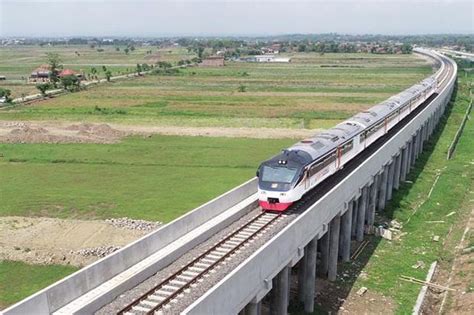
(404, 163)
(333, 247)
(355, 211)
(383, 189)
(361, 215)
(373, 200)
(413, 150)
(346, 229)
(253, 308)
(391, 168)
(397, 175)
(324, 246)
(310, 275)
(301, 275)
(280, 296)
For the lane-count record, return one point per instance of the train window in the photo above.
(348, 146)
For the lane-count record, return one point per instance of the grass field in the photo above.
(19, 280)
(452, 193)
(17, 62)
(157, 178)
(313, 91)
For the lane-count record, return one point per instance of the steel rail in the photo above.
(175, 275)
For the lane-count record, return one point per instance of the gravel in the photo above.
(100, 251)
(220, 272)
(132, 224)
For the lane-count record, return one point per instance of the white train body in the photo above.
(286, 177)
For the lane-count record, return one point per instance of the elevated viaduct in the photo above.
(313, 241)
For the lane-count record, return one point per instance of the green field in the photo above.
(17, 62)
(313, 91)
(157, 178)
(19, 280)
(452, 193)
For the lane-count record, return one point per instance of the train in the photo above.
(288, 176)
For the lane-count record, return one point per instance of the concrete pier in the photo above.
(310, 276)
(333, 247)
(346, 229)
(280, 293)
(253, 308)
(355, 211)
(404, 155)
(361, 215)
(383, 189)
(324, 249)
(391, 171)
(397, 174)
(373, 201)
(301, 274)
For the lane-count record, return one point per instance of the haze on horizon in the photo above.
(56, 18)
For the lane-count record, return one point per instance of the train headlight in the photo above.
(282, 194)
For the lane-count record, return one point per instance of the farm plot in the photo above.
(312, 92)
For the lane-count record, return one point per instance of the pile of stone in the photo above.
(132, 224)
(100, 251)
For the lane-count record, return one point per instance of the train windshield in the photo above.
(278, 174)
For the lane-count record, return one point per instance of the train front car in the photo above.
(279, 178)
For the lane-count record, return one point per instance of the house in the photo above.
(213, 61)
(265, 58)
(66, 72)
(42, 72)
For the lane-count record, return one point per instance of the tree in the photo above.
(43, 87)
(117, 48)
(5, 93)
(71, 83)
(139, 68)
(406, 48)
(54, 61)
(104, 68)
(108, 75)
(132, 48)
(126, 50)
(242, 88)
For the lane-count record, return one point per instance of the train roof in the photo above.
(324, 142)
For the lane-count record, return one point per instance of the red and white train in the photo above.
(286, 177)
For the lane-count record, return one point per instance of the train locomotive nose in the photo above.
(273, 204)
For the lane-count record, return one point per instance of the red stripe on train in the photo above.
(279, 206)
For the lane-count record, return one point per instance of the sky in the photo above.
(146, 18)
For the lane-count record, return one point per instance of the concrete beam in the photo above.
(310, 276)
(361, 215)
(333, 247)
(346, 229)
(413, 152)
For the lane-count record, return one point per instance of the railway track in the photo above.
(179, 283)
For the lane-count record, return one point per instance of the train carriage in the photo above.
(286, 177)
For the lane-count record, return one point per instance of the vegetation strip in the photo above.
(452, 147)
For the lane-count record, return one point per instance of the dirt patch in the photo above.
(32, 132)
(57, 241)
(63, 132)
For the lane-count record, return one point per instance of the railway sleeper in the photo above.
(162, 293)
(215, 256)
(156, 298)
(189, 273)
(202, 265)
(170, 288)
(196, 269)
(141, 309)
(149, 303)
(178, 282)
(208, 261)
